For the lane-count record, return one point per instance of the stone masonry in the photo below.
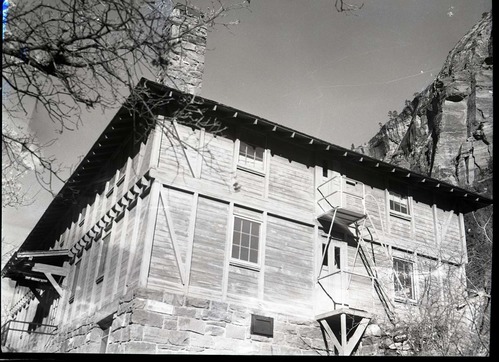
(186, 52)
(154, 322)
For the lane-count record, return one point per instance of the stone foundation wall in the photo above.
(153, 322)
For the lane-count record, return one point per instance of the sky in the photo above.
(302, 64)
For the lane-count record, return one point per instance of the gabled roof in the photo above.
(129, 123)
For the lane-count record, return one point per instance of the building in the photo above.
(194, 227)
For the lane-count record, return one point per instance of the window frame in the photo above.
(395, 198)
(397, 282)
(242, 161)
(241, 262)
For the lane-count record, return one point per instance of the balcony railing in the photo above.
(25, 327)
(339, 285)
(343, 192)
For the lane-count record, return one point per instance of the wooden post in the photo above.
(354, 339)
(121, 246)
(343, 326)
(228, 247)
(149, 235)
(190, 240)
(133, 242)
(261, 261)
(332, 337)
(173, 237)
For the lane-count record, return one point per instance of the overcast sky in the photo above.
(303, 65)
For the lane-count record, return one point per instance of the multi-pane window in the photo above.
(250, 156)
(403, 279)
(399, 203)
(245, 240)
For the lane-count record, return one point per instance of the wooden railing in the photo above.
(340, 191)
(25, 327)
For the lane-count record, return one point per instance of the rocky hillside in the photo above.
(446, 131)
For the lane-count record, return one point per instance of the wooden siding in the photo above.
(291, 185)
(217, 160)
(165, 270)
(242, 282)
(209, 246)
(289, 259)
(251, 184)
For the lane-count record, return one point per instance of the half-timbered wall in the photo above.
(205, 185)
(174, 231)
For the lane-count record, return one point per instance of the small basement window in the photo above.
(262, 326)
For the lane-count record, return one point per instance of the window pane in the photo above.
(324, 261)
(235, 251)
(245, 239)
(337, 257)
(244, 254)
(237, 224)
(254, 242)
(236, 238)
(246, 226)
(254, 256)
(255, 229)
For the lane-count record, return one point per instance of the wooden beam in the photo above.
(133, 242)
(45, 268)
(332, 337)
(343, 327)
(190, 239)
(52, 281)
(227, 252)
(35, 293)
(148, 240)
(183, 148)
(173, 237)
(354, 339)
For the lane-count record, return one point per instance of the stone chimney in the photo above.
(185, 55)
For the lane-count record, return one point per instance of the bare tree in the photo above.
(71, 55)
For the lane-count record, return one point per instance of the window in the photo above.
(403, 276)
(105, 326)
(324, 168)
(263, 326)
(325, 254)
(102, 262)
(75, 281)
(399, 203)
(245, 240)
(250, 156)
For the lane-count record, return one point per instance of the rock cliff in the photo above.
(446, 131)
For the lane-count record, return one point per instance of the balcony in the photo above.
(341, 200)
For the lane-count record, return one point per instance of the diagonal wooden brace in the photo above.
(52, 281)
